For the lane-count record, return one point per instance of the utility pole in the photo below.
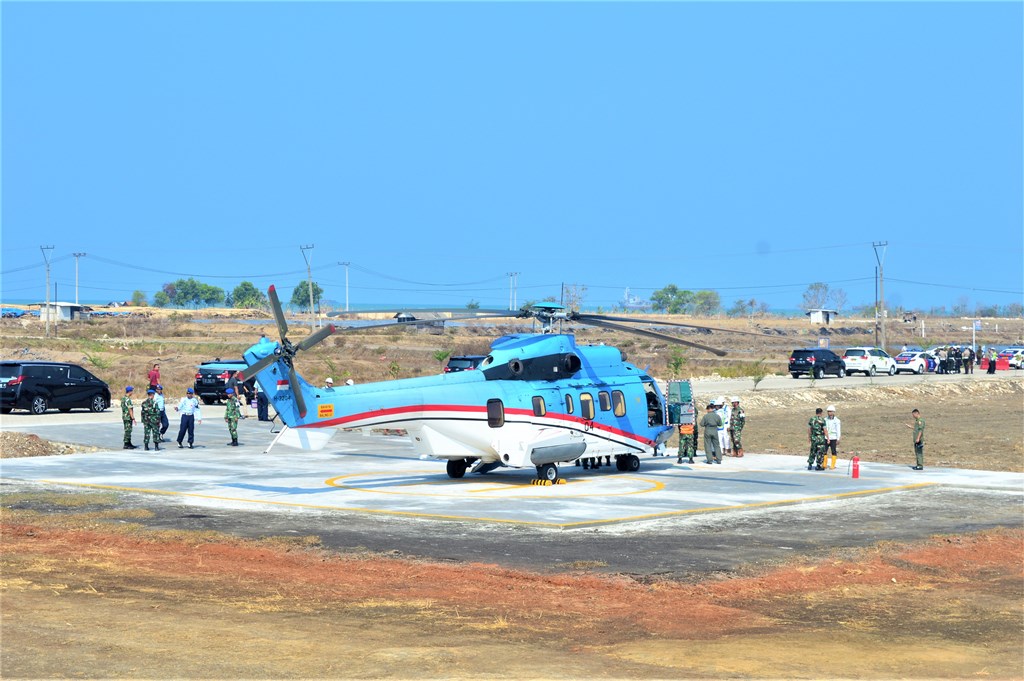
(881, 283)
(46, 259)
(309, 280)
(77, 256)
(876, 305)
(346, 264)
(512, 284)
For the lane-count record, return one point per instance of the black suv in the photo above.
(38, 386)
(212, 379)
(463, 363)
(817, 362)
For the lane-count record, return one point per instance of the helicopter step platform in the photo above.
(384, 476)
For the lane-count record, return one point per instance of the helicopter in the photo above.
(537, 400)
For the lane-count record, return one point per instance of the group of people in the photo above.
(955, 360)
(723, 432)
(153, 412)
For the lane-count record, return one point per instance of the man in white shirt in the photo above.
(188, 407)
(724, 411)
(834, 430)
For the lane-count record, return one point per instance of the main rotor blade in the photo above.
(395, 322)
(275, 305)
(300, 401)
(261, 365)
(413, 311)
(584, 317)
(655, 334)
(314, 338)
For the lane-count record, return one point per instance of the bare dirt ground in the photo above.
(90, 592)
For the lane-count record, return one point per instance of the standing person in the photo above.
(188, 407)
(958, 358)
(711, 422)
(918, 428)
(940, 361)
(231, 416)
(833, 431)
(737, 419)
(244, 397)
(992, 357)
(154, 376)
(150, 421)
(687, 440)
(818, 438)
(128, 416)
(161, 404)
(969, 360)
(262, 404)
(723, 432)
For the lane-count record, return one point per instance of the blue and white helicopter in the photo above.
(538, 399)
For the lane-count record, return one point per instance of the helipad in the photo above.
(383, 475)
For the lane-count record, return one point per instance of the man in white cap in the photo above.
(833, 430)
(329, 384)
(737, 419)
(723, 411)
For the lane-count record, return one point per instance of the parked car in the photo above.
(212, 379)
(463, 363)
(39, 386)
(817, 362)
(1017, 361)
(914, 362)
(869, 361)
(1008, 353)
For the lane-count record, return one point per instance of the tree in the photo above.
(573, 295)
(815, 297)
(473, 304)
(300, 295)
(139, 299)
(839, 299)
(706, 303)
(1013, 310)
(161, 299)
(192, 293)
(672, 300)
(247, 295)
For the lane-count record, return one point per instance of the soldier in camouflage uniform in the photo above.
(231, 416)
(128, 416)
(687, 441)
(736, 422)
(150, 421)
(818, 437)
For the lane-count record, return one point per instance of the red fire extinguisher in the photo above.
(855, 463)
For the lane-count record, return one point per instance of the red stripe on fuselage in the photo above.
(345, 421)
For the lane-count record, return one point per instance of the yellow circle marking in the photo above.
(492, 486)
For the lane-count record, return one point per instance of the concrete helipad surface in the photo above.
(380, 475)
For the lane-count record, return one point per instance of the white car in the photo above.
(869, 361)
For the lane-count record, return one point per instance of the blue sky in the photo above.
(751, 148)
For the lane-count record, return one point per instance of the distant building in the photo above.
(822, 315)
(63, 312)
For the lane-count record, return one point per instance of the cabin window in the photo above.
(587, 406)
(619, 402)
(569, 406)
(605, 400)
(495, 413)
(539, 408)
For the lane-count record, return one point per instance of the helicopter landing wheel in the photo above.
(632, 463)
(548, 471)
(620, 463)
(457, 467)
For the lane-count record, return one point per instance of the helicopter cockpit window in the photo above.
(587, 405)
(495, 413)
(539, 408)
(619, 402)
(605, 400)
(569, 406)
